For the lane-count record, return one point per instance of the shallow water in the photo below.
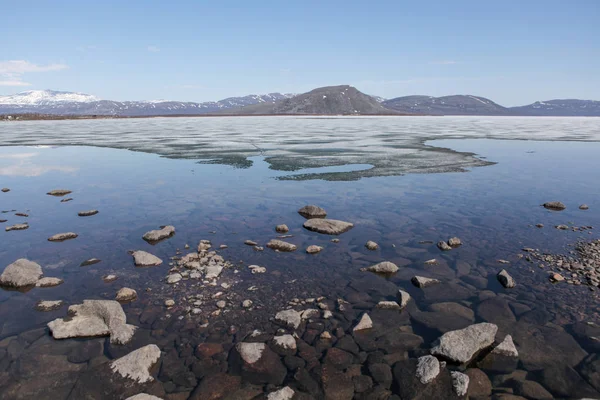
(492, 208)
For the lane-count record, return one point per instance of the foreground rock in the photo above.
(506, 348)
(144, 259)
(584, 207)
(460, 346)
(289, 318)
(384, 267)
(59, 192)
(460, 383)
(61, 237)
(327, 226)
(506, 280)
(257, 364)
(428, 368)
(137, 364)
(554, 205)
(126, 294)
(287, 393)
(159, 234)
(87, 213)
(281, 245)
(312, 211)
(17, 227)
(422, 282)
(21, 273)
(94, 318)
(49, 282)
(364, 323)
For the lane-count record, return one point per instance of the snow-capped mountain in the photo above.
(70, 103)
(564, 107)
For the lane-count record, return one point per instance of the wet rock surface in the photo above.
(328, 226)
(61, 237)
(312, 211)
(87, 213)
(21, 273)
(145, 259)
(159, 234)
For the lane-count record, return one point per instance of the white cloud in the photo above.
(13, 70)
(154, 49)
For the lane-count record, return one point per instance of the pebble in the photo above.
(49, 305)
(336, 240)
(109, 278)
(221, 304)
(247, 303)
(5, 190)
(584, 207)
(370, 245)
(433, 261)
(255, 269)
(169, 303)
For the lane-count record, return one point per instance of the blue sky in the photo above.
(514, 52)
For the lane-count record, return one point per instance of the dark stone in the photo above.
(246, 392)
(497, 311)
(498, 363)
(306, 382)
(86, 350)
(308, 354)
(362, 383)
(208, 350)
(408, 387)
(588, 335)
(529, 390)
(479, 383)
(205, 367)
(440, 322)
(537, 316)
(267, 369)
(174, 369)
(338, 358)
(375, 357)
(348, 344)
(590, 370)
(293, 362)
(395, 341)
(382, 374)
(336, 384)
(216, 387)
(478, 281)
(563, 382)
(450, 291)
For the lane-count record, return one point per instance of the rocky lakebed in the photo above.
(158, 278)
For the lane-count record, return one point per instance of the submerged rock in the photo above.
(284, 345)
(554, 205)
(370, 245)
(506, 348)
(312, 211)
(60, 237)
(288, 318)
(584, 207)
(17, 227)
(461, 345)
(49, 282)
(87, 213)
(159, 234)
(460, 383)
(422, 282)
(388, 305)
(250, 242)
(281, 245)
(137, 364)
(454, 242)
(58, 192)
(257, 364)
(91, 261)
(109, 278)
(144, 259)
(313, 249)
(428, 368)
(49, 305)
(384, 267)
(364, 323)
(506, 280)
(21, 273)
(403, 298)
(283, 228)
(94, 318)
(174, 278)
(126, 294)
(327, 226)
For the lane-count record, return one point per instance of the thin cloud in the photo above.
(153, 49)
(12, 71)
(444, 62)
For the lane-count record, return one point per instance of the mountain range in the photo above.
(330, 100)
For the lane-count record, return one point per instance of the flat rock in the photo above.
(94, 318)
(49, 305)
(455, 309)
(364, 323)
(136, 365)
(159, 234)
(423, 282)
(87, 213)
(21, 273)
(327, 226)
(213, 271)
(461, 345)
(506, 280)
(428, 368)
(109, 278)
(384, 267)
(5, 190)
(174, 278)
(49, 282)
(554, 205)
(17, 227)
(59, 192)
(126, 294)
(564, 383)
(60, 237)
(584, 207)
(313, 249)
(280, 245)
(144, 259)
(312, 211)
(288, 318)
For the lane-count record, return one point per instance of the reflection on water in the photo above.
(493, 210)
(24, 164)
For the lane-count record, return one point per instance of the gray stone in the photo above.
(159, 234)
(17, 227)
(403, 298)
(281, 245)
(554, 205)
(174, 278)
(87, 213)
(584, 207)
(94, 318)
(59, 192)
(461, 345)
(422, 282)
(144, 259)
(126, 294)
(384, 267)
(371, 245)
(21, 273)
(49, 305)
(289, 318)
(60, 237)
(136, 365)
(506, 280)
(313, 249)
(444, 246)
(428, 367)
(283, 228)
(312, 211)
(286, 393)
(49, 282)
(364, 323)
(506, 348)
(460, 383)
(327, 226)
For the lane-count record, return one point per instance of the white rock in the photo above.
(109, 278)
(21, 273)
(17, 227)
(505, 279)
(460, 383)
(282, 394)
(169, 303)
(428, 368)
(255, 269)
(144, 259)
(49, 305)
(87, 213)
(126, 294)
(159, 234)
(388, 305)
(506, 348)
(247, 303)
(327, 226)
(58, 192)
(309, 313)
(371, 245)
(289, 318)
(281, 245)
(422, 282)
(327, 314)
(403, 298)
(461, 345)
(364, 323)
(137, 364)
(49, 282)
(143, 396)
(313, 249)
(384, 267)
(94, 318)
(213, 271)
(286, 342)
(250, 352)
(174, 278)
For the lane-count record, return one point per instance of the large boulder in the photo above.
(327, 226)
(21, 273)
(312, 211)
(159, 234)
(257, 364)
(94, 318)
(461, 345)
